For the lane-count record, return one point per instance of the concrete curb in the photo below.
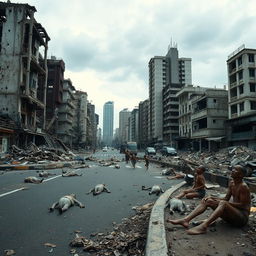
(156, 239)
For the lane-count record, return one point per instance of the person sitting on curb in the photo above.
(198, 189)
(235, 212)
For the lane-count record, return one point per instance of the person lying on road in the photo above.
(65, 202)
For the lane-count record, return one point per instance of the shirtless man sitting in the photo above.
(235, 212)
(198, 189)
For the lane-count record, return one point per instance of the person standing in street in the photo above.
(127, 156)
(133, 160)
(146, 158)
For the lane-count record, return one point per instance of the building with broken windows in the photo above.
(66, 112)
(241, 126)
(80, 119)
(23, 68)
(209, 114)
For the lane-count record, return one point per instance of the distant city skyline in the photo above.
(108, 57)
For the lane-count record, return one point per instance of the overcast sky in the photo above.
(107, 44)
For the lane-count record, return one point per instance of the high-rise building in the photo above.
(123, 125)
(108, 122)
(143, 124)
(80, 119)
(172, 72)
(134, 125)
(241, 125)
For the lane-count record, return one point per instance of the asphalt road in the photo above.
(26, 225)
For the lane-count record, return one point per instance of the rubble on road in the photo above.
(127, 238)
(217, 162)
(34, 154)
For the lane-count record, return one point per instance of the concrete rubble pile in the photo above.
(34, 154)
(217, 162)
(127, 238)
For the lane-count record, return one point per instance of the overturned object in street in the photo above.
(176, 204)
(168, 171)
(189, 178)
(32, 179)
(44, 174)
(98, 189)
(65, 202)
(155, 189)
(70, 174)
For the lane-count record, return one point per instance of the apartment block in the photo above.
(134, 125)
(185, 97)
(241, 126)
(80, 119)
(66, 114)
(92, 124)
(209, 114)
(123, 125)
(22, 66)
(54, 94)
(167, 74)
(143, 124)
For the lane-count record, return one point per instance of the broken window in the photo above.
(253, 105)
(233, 109)
(241, 105)
(252, 87)
(251, 72)
(241, 89)
(240, 61)
(26, 38)
(251, 57)
(2, 20)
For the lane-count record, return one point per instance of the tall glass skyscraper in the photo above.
(108, 122)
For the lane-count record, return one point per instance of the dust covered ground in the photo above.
(220, 239)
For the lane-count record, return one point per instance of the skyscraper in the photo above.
(108, 122)
(123, 125)
(170, 73)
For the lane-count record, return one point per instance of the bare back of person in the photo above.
(235, 211)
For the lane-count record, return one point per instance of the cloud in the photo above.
(107, 45)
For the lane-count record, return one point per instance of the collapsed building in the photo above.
(23, 73)
(37, 105)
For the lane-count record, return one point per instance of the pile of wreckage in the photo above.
(219, 162)
(127, 238)
(35, 154)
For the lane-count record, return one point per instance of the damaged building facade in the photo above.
(37, 105)
(241, 126)
(23, 69)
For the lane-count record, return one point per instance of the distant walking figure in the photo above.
(133, 160)
(146, 158)
(127, 156)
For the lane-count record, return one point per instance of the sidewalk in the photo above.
(167, 239)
